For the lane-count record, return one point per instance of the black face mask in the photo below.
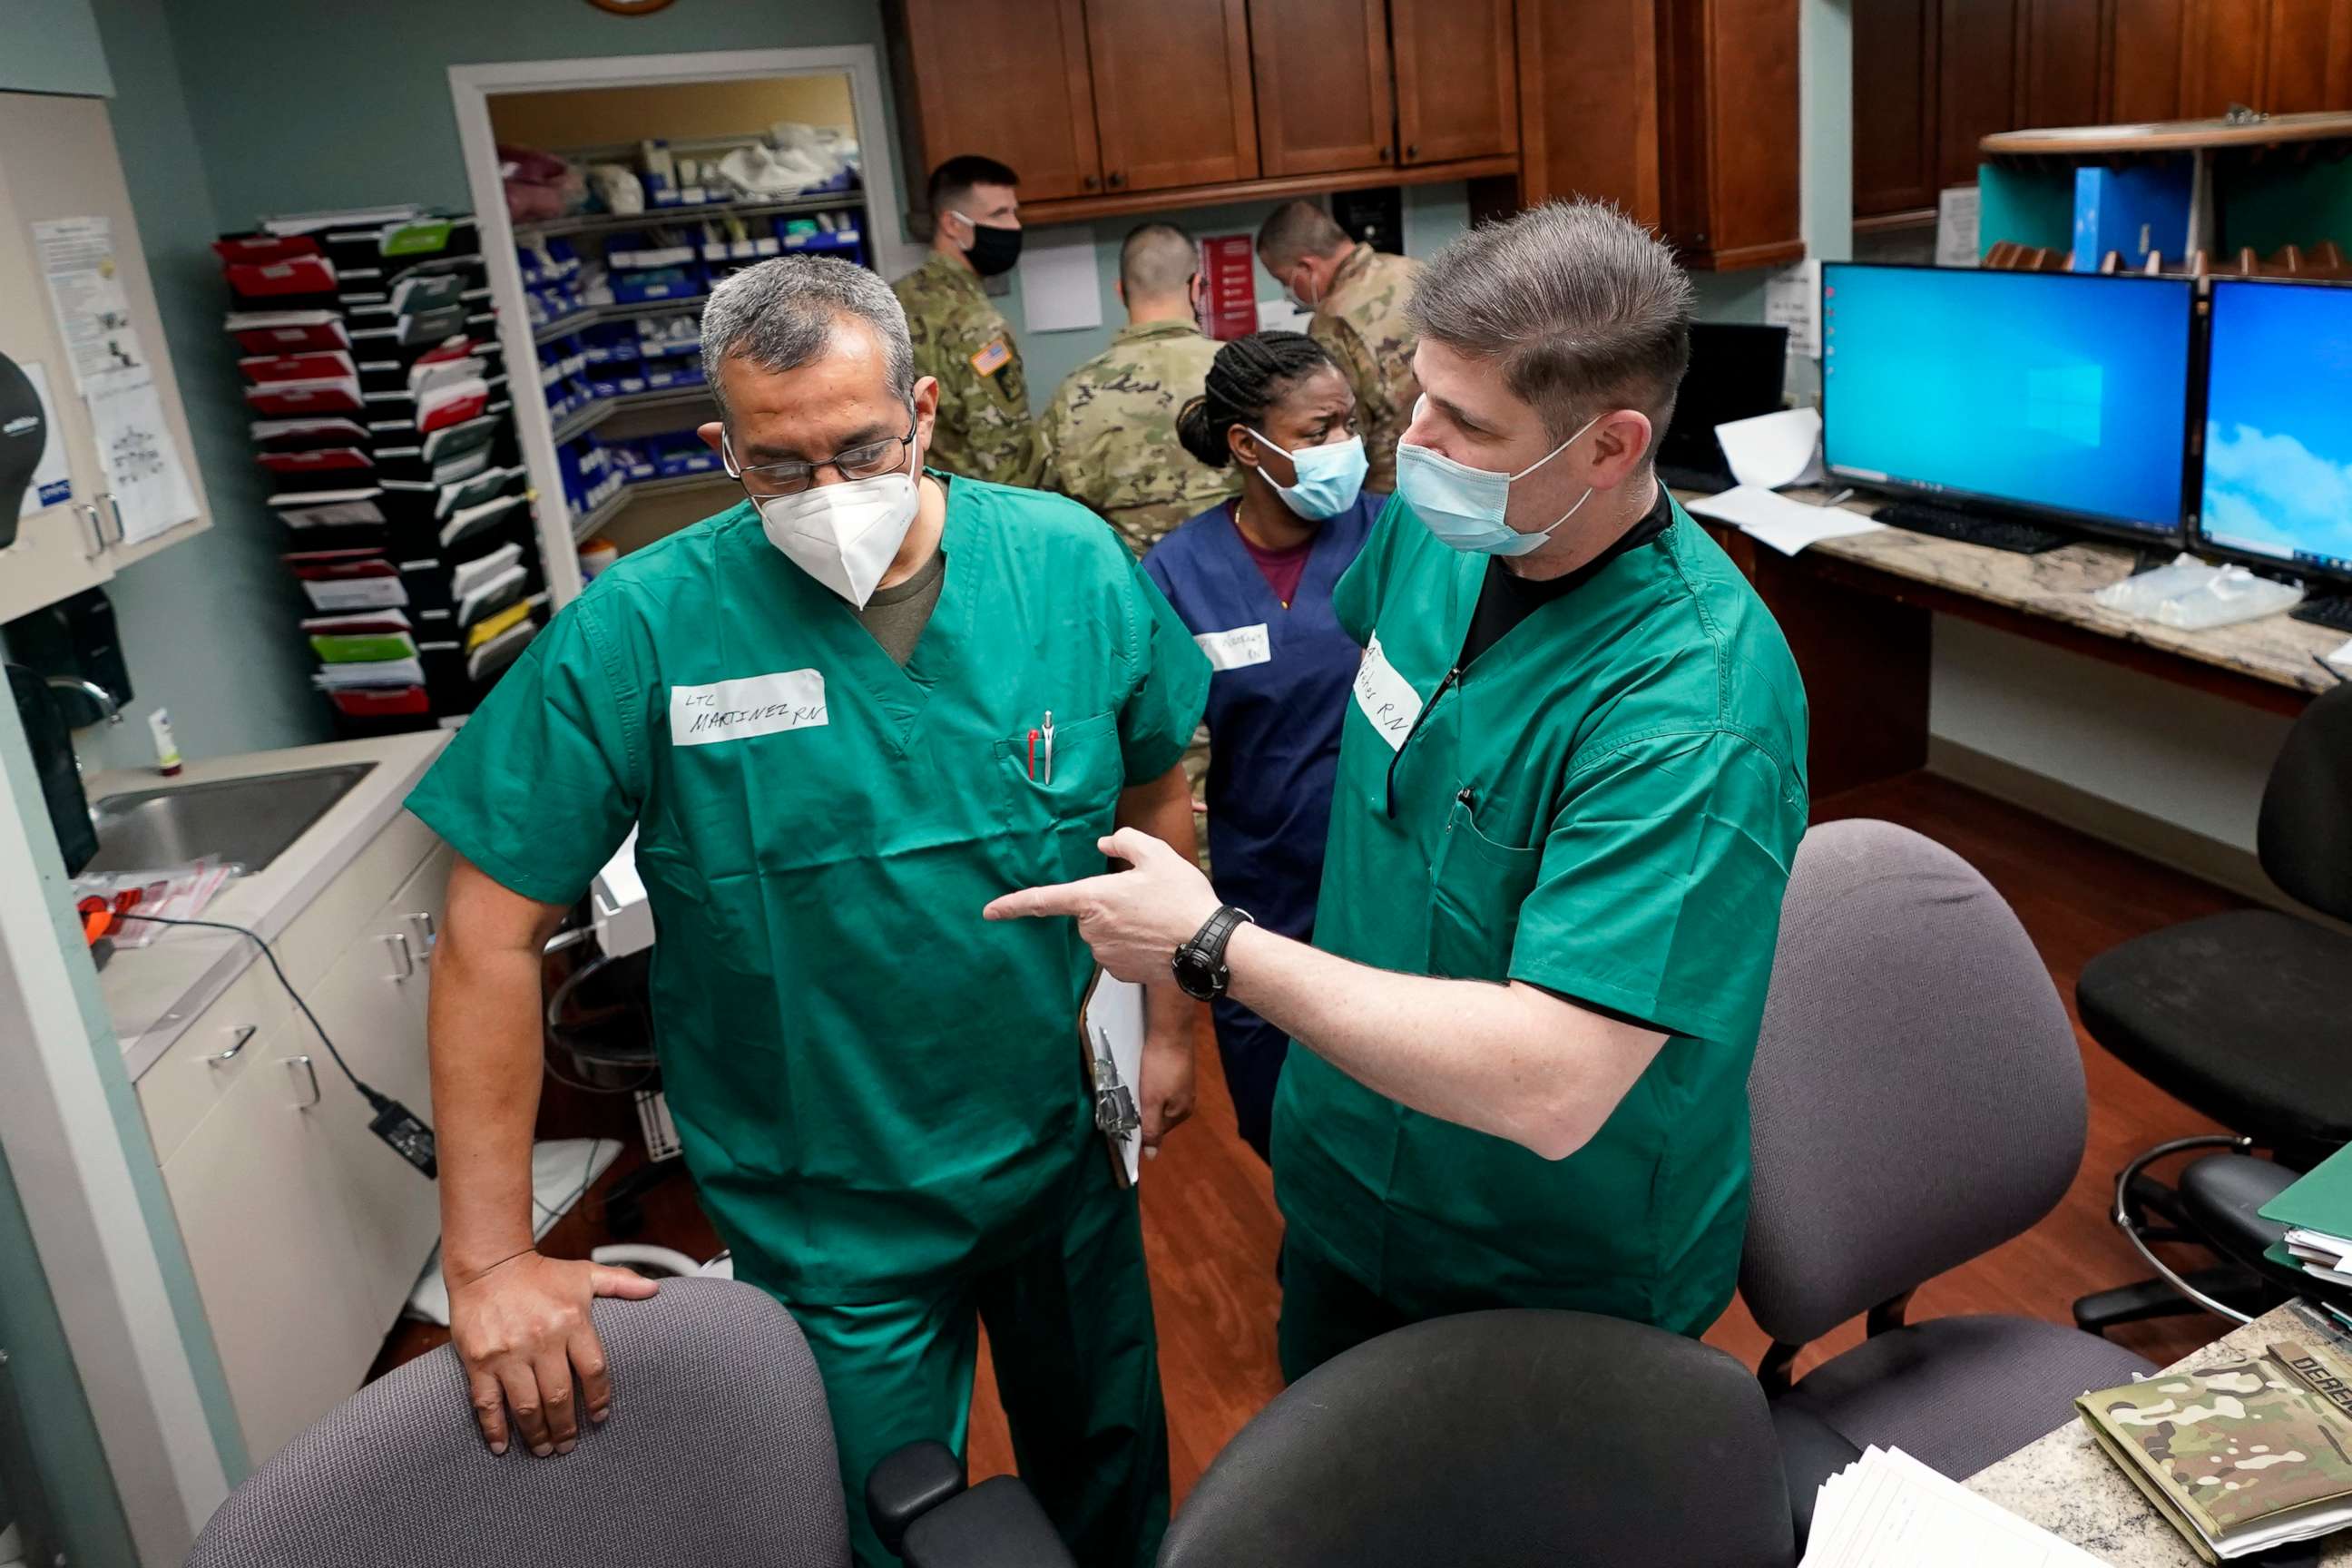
(993, 250)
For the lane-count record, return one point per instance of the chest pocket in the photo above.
(1477, 888)
(1053, 819)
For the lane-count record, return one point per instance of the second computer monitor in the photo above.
(2278, 425)
(2054, 394)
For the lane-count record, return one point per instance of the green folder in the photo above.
(2321, 1201)
(362, 648)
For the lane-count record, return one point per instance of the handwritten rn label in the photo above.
(753, 705)
(1237, 648)
(1387, 697)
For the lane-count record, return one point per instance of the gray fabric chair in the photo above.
(1500, 1439)
(1916, 1101)
(719, 1451)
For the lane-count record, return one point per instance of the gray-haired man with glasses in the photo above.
(841, 716)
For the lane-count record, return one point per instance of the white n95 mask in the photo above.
(1465, 506)
(1328, 477)
(844, 535)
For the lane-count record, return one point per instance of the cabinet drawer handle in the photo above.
(114, 509)
(1384, 152)
(398, 943)
(97, 531)
(244, 1037)
(310, 1072)
(1116, 180)
(1090, 181)
(1412, 150)
(428, 934)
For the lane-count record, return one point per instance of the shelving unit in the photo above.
(383, 410)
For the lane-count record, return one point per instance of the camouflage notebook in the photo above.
(2240, 1458)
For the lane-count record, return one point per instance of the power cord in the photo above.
(397, 1125)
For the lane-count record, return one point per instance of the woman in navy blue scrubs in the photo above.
(1252, 577)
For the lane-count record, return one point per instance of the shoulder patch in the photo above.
(992, 357)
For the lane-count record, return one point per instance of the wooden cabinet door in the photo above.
(1456, 78)
(1975, 53)
(1006, 79)
(255, 1192)
(1171, 86)
(2143, 69)
(1727, 159)
(2059, 67)
(2226, 44)
(1895, 166)
(1326, 100)
(2310, 63)
(1589, 74)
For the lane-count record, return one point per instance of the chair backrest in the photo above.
(719, 1451)
(1917, 1093)
(1557, 1439)
(2304, 836)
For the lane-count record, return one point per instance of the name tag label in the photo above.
(1237, 648)
(1387, 697)
(751, 705)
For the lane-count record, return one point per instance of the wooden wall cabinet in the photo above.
(1727, 153)
(1326, 95)
(1171, 91)
(1897, 162)
(1457, 80)
(1588, 106)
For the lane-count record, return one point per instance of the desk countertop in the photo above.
(152, 993)
(2063, 1483)
(2058, 585)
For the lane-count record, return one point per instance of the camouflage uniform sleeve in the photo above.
(1001, 442)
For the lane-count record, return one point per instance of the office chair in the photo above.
(719, 1452)
(1916, 1099)
(2246, 1017)
(1496, 1439)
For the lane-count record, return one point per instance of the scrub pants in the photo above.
(1069, 1327)
(1251, 1052)
(1325, 1311)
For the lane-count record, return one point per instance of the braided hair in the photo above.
(1248, 377)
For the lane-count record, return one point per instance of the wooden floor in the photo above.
(1212, 1229)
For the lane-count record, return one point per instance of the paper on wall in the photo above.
(140, 458)
(85, 289)
(52, 475)
(1792, 299)
(1770, 450)
(1956, 209)
(1060, 290)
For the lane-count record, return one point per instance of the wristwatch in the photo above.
(1200, 963)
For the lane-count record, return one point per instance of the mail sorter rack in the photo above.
(381, 411)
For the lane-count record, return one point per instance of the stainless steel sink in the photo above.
(249, 821)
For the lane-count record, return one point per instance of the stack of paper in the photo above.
(2317, 1212)
(1889, 1511)
(1788, 526)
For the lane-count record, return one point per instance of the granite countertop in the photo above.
(152, 994)
(2065, 1484)
(2058, 584)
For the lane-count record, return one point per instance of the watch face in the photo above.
(1195, 973)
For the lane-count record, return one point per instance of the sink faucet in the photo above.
(99, 694)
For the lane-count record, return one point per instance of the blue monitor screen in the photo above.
(2064, 394)
(2278, 423)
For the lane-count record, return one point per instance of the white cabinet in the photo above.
(58, 160)
(306, 1231)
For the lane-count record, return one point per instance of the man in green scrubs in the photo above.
(841, 716)
(1568, 799)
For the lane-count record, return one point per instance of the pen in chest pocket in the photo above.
(1048, 733)
(1041, 750)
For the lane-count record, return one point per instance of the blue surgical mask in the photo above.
(1328, 477)
(1464, 506)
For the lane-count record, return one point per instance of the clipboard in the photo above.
(1110, 1045)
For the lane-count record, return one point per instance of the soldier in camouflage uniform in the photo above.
(984, 430)
(1359, 296)
(1111, 428)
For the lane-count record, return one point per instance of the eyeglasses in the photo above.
(869, 461)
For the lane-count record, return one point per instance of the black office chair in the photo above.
(1498, 1440)
(2247, 1017)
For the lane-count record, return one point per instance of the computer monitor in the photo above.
(2278, 425)
(1735, 373)
(2058, 395)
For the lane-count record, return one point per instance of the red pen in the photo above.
(1032, 754)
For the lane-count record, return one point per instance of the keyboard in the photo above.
(2333, 610)
(1969, 528)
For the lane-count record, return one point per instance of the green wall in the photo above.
(51, 46)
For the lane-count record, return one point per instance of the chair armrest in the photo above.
(996, 1524)
(909, 1483)
(1811, 1453)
